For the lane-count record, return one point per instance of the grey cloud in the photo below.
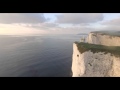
(77, 18)
(111, 27)
(82, 24)
(44, 26)
(112, 22)
(9, 18)
(71, 30)
(50, 24)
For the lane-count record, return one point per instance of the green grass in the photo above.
(83, 47)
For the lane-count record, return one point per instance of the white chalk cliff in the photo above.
(99, 38)
(97, 63)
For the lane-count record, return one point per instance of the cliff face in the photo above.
(78, 66)
(103, 39)
(99, 64)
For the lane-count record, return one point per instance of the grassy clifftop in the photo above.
(82, 47)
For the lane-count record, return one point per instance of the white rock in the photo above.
(89, 64)
(97, 38)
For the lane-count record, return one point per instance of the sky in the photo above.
(57, 23)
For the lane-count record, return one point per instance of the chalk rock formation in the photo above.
(90, 60)
(108, 39)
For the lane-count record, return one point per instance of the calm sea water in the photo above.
(36, 56)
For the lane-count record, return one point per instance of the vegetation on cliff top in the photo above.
(83, 47)
(111, 33)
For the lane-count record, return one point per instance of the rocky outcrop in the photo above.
(94, 64)
(98, 57)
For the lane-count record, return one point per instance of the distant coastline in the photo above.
(82, 34)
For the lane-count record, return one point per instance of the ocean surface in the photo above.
(36, 56)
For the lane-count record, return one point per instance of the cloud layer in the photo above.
(115, 21)
(10, 29)
(8, 18)
(66, 23)
(77, 18)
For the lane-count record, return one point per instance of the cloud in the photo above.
(45, 25)
(34, 23)
(9, 29)
(111, 28)
(111, 25)
(70, 30)
(8, 18)
(115, 21)
(77, 18)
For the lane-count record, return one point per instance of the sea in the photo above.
(36, 56)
